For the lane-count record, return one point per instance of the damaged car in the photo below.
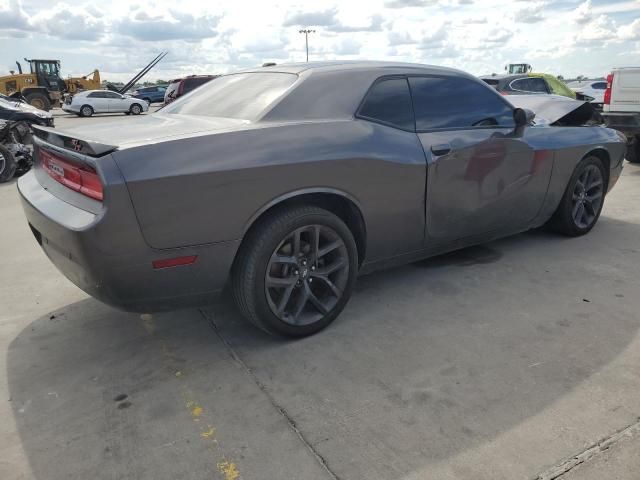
(16, 121)
(557, 110)
(15, 110)
(281, 185)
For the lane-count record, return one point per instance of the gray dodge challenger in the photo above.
(280, 185)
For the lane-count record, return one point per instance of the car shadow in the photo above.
(426, 361)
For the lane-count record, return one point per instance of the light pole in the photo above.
(306, 32)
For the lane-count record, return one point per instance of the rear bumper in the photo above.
(110, 261)
(625, 122)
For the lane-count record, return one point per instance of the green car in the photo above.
(525, 83)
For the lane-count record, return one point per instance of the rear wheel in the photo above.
(86, 111)
(135, 109)
(583, 199)
(39, 100)
(7, 165)
(295, 271)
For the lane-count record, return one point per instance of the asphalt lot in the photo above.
(508, 360)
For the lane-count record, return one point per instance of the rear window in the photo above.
(193, 83)
(241, 95)
(531, 84)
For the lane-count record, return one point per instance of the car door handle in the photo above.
(440, 149)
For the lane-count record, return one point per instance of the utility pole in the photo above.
(306, 32)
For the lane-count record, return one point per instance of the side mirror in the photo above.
(523, 116)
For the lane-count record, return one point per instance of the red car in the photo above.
(182, 86)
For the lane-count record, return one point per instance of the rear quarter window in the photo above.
(389, 102)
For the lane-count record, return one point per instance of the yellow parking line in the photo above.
(226, 467)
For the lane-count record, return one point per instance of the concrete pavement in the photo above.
(502, 361)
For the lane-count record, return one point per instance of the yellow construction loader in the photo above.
(44, 87)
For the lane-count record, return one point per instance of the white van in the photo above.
(621, 109)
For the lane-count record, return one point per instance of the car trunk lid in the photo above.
(148, 129)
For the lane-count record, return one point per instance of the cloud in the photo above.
(400, 38)
(12, 17)
(599, 30)
(583, 14)
(348, 46)
(375, 25)
(65, 23)
(180, 26)
(529, 14)
(434, 39)
(145, 17)
(93, 10)
(631, 31)
(410, 3)
(120, 37)
(322, 18)
(474, 20)
(498, 35)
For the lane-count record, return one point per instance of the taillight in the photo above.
(607, 92)
(83, 179)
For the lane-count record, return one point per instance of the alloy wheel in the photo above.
(306, 275)
(587, 196)
(3, 163)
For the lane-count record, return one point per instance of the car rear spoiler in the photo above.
(83, 146)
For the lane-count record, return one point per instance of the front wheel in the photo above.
(295, 271)
(135, 109)
(583, 199)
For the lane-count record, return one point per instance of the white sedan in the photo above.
(592, 88)
(89, 102)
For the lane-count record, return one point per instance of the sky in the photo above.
(562, 37)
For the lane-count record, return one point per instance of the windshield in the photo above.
(241, 95)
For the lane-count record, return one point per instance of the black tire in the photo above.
(592, 198)
(39, 100)
(86, 111)
(633, 150)
(135, 109)
(261, 246)
(7, 165)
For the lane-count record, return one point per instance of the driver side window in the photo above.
(457, 102)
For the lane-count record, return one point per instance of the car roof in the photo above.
(343, 65)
